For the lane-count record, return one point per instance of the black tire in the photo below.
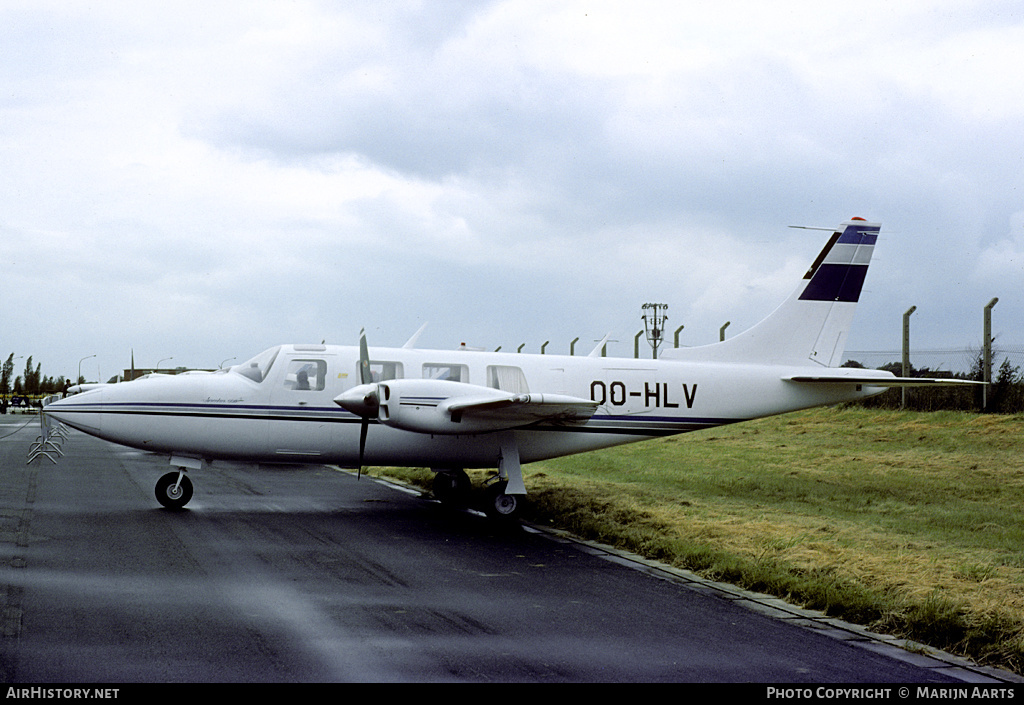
(166, 495)
(500, 506)
(452, 487)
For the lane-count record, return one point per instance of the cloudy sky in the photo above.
(200, 181)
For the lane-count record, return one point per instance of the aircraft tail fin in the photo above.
(812, 324)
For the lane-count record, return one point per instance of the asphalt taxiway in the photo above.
(288, 573)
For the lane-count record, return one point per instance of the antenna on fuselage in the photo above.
(411, 342)
(600, 344)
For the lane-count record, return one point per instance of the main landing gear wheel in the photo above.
(452, 487)
(501, 506)
(171, 493)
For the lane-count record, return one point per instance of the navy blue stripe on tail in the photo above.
(836, 282)
(838, 275)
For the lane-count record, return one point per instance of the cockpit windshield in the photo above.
(257, 368)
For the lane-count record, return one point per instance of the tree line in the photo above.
(1005, 394)
(27, 386)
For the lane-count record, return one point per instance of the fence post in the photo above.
(986, 362)
(906, 353)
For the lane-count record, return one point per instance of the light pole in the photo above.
(654, 324)
(78, 379)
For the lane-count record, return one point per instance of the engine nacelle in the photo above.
(442, 407)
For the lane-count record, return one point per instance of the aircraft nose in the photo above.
(81, 411)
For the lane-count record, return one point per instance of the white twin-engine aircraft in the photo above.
(451, 410)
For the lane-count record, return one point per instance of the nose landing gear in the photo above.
(503, 493)
(174, 490)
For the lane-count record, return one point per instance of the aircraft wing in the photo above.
(882, 379)
(521, 409)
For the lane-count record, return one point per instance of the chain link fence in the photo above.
(1004, 395)
(953, 360)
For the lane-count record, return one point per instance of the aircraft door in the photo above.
(301, 414)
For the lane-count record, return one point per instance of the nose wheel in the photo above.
(174, 490)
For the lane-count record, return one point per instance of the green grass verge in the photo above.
(908, 523)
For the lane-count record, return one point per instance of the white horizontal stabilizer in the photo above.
(882, 379)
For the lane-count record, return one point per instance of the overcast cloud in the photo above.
(200, 181)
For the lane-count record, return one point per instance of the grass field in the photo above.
(909, 523)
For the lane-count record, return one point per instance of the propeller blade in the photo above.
(364, 398)
(362, 445)
(369, 400)
(364, 359)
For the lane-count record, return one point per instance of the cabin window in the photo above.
(306, 375)
(452, 373)
(507, 379)
(381, 371)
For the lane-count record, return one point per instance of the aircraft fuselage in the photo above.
(287, 413)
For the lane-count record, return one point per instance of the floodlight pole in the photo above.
(906, 353)
(654, 324)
